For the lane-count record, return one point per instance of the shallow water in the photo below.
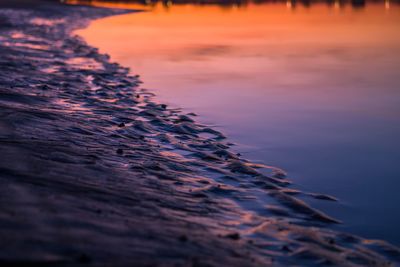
(313, 90)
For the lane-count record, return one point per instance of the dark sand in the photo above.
(94, 171)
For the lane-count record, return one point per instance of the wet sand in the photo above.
(95, 171)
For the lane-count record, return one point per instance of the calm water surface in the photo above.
(313, 90)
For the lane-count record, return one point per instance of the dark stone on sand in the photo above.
(199, 195)
(183, 238)
(84, 258)
(121, 125)
(120, 151)
(233, 236)
(44, 87)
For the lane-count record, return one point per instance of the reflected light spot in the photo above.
(337, 4)
(387, 4)
(289, 4)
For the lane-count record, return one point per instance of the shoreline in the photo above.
(96, 171)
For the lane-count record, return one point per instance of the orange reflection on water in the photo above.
(172, 45)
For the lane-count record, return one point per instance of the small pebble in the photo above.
(84, 258)
(234, 236)
(183, 238)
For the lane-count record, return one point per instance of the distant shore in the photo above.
(95, 171)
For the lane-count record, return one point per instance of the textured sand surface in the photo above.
(94, 171)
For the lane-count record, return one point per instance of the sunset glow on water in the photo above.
(314, 90)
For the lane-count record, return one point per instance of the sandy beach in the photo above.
(95, 171)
